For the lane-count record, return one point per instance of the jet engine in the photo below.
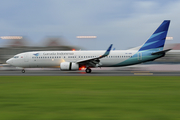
(69, 66)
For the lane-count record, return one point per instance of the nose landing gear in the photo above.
(23, 71)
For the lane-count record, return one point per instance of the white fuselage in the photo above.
(54, 58)
(73, 60)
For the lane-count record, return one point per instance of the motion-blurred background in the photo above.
(60, 25)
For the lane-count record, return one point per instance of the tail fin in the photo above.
(157, 39)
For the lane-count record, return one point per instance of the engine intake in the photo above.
(69, 66)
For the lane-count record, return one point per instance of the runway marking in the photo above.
(140, 71)
(143, 73)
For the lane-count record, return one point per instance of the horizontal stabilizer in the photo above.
(161, 52)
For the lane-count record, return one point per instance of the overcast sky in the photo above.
(123, 23)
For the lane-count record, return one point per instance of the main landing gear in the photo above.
(23, 71)
(88, 70)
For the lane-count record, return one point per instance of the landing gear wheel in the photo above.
(23, 71)
(88, 70)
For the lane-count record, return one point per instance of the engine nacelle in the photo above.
(69, 66)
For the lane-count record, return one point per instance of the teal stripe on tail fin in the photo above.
(158, 38)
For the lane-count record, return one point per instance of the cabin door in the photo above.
(139, 56)
(26, 58)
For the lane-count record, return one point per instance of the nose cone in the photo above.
(9, 61)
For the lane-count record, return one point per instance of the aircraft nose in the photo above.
(9, 61)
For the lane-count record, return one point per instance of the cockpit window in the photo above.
(16, 56)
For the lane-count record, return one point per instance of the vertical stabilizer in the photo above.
(157, 39)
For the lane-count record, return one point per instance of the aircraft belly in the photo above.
(111, 62)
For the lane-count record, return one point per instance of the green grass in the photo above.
(89, 98)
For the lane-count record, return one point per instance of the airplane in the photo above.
(76, 60)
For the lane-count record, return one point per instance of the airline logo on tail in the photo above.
(158, 38)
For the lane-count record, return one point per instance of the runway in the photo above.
(94, 73)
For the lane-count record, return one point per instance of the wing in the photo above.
(95, 61)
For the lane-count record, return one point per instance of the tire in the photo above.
(23, 71)
(88, 70)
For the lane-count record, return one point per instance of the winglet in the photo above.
(107, 51)
(96, 59)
